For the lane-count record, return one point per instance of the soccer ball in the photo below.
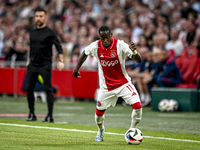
(172, 105)
(163, 104)
(133, 136)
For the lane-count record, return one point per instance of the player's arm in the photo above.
(136, 55)
(56, 42)
(81, 60)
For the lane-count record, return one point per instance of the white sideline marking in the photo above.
(88, 131)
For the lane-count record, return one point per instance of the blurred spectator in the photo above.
(159, 41)
(2, 35)
(176, 18)
(25, 9)
(136, 30)
(142, 80)
(98, 6)
(118, 33)
(155, 42)
(195, 5)
(149, 34)
(167, 73)
(75, 55)
(148, 78)
(182, 31)
(145, 15)
(68, 42)
(186, 9)
(190, 33)
(143, 41)
(175, 44)
(196, 43)
(138, 68)
(148, 23)
(17, 46)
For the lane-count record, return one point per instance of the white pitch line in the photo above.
(88, 131)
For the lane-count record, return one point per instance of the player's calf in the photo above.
(136, 114)
(99, 119)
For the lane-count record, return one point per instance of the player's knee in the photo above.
(100, 112)
(48, 89)
(137, 105)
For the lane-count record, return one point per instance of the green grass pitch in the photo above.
(75, 128)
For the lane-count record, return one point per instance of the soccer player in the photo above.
(40, 62)
(113, 78)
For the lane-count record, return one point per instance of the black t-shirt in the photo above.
(41, 42)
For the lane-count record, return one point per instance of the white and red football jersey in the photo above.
(111, 63)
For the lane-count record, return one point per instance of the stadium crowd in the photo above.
(159, 27)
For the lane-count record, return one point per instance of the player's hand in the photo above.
(76, 74)
(60, 65)
(132, 46)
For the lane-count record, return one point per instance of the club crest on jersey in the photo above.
(108, 63)
(113, 54)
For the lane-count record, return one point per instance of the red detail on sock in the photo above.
(100, 113)
(137, 105)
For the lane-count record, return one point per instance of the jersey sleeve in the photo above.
(56, 42)
(125, 48)
(91, 49)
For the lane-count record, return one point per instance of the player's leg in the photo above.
(31, 79)
(131, 97)
(136, 115)
(105, 99)
(99, 119)
(46, 73)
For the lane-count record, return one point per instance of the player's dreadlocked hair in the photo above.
(104, 28)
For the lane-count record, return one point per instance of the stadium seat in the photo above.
(182, 61)
(196, 74)
(188, 64)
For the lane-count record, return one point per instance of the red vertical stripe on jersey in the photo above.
(110, 64)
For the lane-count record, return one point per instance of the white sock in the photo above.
(100, 121)
(136, 117)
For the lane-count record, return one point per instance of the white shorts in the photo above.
(107, 98)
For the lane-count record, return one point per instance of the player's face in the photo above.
(106, 38)
(40, 18)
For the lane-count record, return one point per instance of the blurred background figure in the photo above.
(155, 24)
(175, 44)
(167, 74)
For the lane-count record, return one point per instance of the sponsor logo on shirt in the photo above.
(108, 63)
(101, 55)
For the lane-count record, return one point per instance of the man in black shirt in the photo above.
(42, 39)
